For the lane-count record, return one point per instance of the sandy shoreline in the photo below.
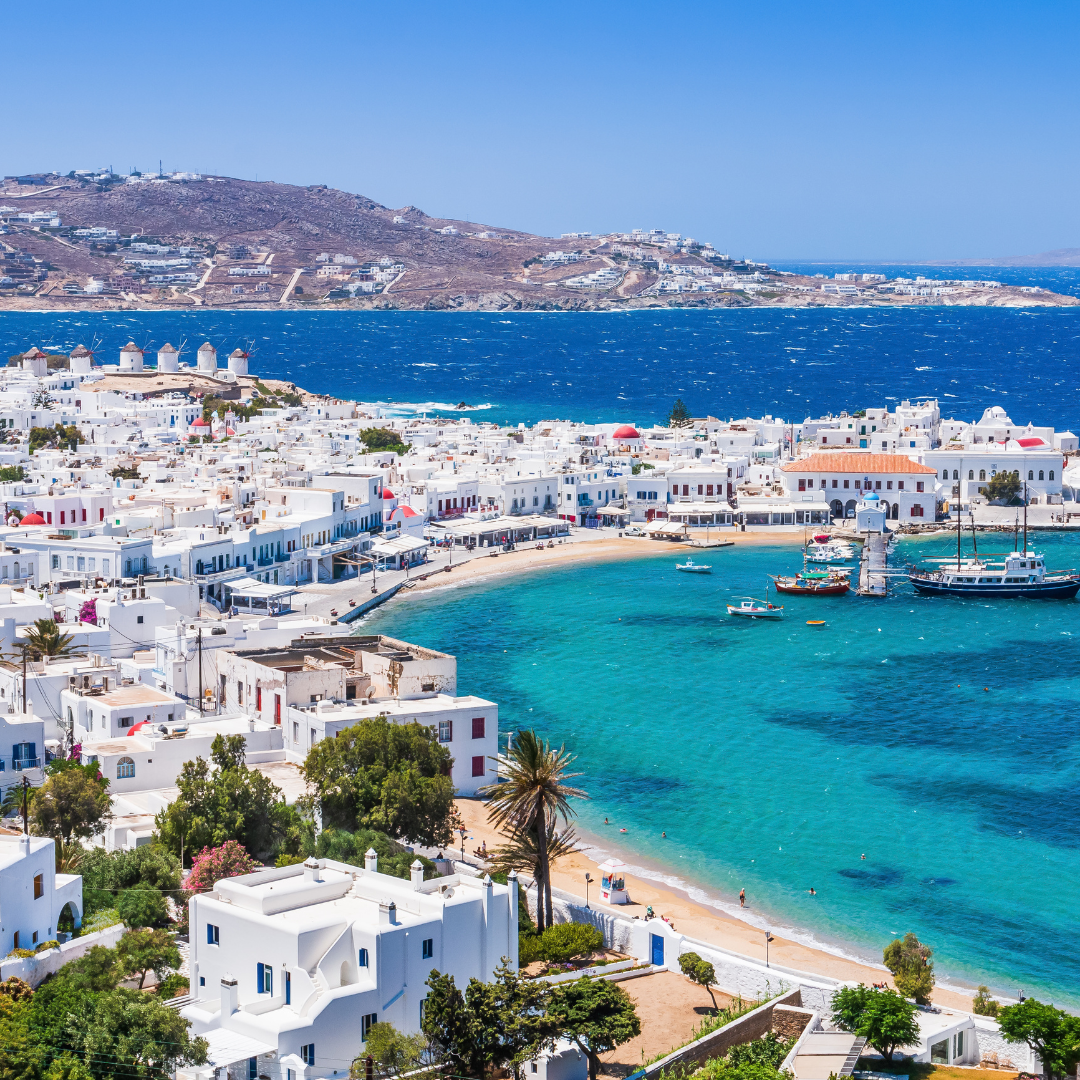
(694, 918)
(608, 549)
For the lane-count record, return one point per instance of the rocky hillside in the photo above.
(220, 242)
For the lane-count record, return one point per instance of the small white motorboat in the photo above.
(691, 567)
(756, 609)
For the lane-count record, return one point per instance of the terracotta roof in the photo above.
(854, 462)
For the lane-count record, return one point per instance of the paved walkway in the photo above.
(325, 597)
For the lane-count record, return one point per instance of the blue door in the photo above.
(657, 950)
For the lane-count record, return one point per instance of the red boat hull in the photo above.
(812, 588)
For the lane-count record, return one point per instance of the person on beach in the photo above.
(742, 898)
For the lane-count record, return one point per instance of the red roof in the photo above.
(200, 422)
(855, 462)
(140, 724)
(1029, 442)
(626, 432)
(388, 494)
(404, 511)
(32, 519)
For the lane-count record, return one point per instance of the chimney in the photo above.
(229, 995)
(416, 872)
(387, 913)
(312, 870)
(371, 860)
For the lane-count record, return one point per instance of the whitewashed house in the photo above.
(32, 894)
(290, 967)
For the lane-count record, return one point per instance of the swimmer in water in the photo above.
(663, 836)
(742, 898)
(813, 892)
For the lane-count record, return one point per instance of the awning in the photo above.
(225, 1047)
(258, 590)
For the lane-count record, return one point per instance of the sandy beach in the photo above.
(695, 919)
(605, 549)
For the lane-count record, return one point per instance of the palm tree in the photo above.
(520, 852)
(45, 639)
(530, 800)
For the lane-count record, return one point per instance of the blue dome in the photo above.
(871, 498)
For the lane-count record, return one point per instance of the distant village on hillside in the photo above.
(97, 239)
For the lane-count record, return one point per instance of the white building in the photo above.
(34, 894)
(904, 486)
(291, 967)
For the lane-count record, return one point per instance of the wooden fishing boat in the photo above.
(813, 583)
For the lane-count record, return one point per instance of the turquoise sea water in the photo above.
(938, 737)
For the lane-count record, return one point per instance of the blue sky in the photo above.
(778, 130)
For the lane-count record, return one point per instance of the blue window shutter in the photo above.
(259, 979)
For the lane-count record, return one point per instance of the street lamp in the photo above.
(768, 938)
(588, 880)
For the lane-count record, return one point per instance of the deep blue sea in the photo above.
(940, 738)
(631, 366)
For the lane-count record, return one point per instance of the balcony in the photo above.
(215, 577)
(22, 764)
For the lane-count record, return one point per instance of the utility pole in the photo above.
(24, 675)
(200, 669)
(25, 811)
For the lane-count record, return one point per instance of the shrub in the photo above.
(530, 949)
(983, 1004)
(565, 941)
(142, 906)
(20, 954)
(213, 864)
(172, 985)
(52, 943)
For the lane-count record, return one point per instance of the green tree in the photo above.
(982, 1004)
(124, 472)
(595, 1014)
(498, 1024)
(229, 801)
(848, 1004)
(1051, 1033)
(142, 906)
(42, 399)
(699, 971)
(352, 848)
(96, 970)
(679, 417)
(376, 439)
(390, 777)
(882, 1017)
(770, 1050)
(106, 874)
(130, 1032)
(44, 638)
(141, 951)
(532, 798)
(391, 1052)
(1003, 485)
(10, 473)
(73, 802)
(911, 963)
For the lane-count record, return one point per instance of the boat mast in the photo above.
(959, 523)
(974, 538)
(1025, 519)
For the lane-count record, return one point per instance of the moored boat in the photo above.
(756, 609)
(691, 567)
(1014, 575)
(813, 583)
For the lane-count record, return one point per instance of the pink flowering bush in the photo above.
(213, 864)
(88, 611)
